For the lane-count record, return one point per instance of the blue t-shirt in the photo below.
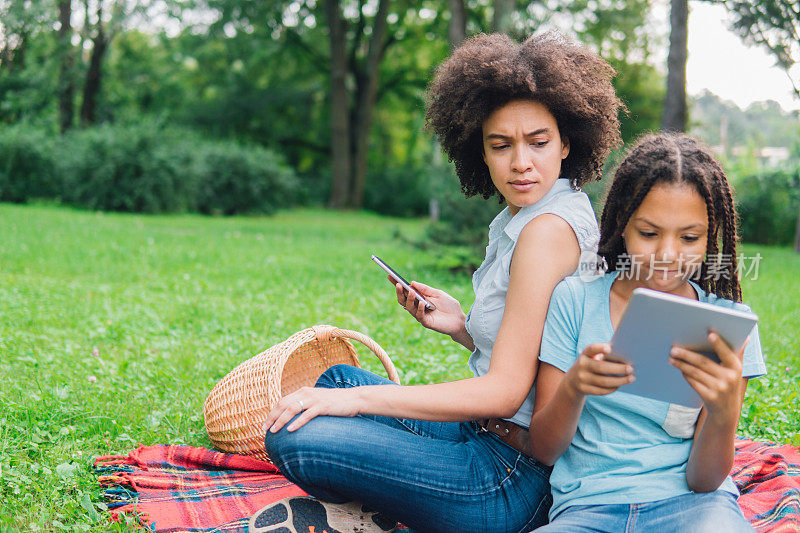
(626, 449)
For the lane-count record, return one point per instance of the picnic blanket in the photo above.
(182, 488)
(768, 478)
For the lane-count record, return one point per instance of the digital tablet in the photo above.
(655, 321)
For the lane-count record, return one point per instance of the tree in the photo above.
(66, 82)
(674, 117)
(19, 22)
(350, 135)
(622, 32)
(503, 13)
(110, 17)
(25, 29)
(341, 149)
(772, 24)
(775, 25)
(94, 75)
(457, 29)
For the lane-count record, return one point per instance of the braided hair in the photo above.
(679, 159)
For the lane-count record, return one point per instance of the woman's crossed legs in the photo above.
(432, 476)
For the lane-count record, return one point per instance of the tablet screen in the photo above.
(655, 321)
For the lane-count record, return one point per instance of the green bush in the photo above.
(238, 179)
(768, 205)
(463, 222)
(143, 167)
(27, 165)
(401, 192)
(137, 167)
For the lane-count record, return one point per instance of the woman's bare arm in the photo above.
(547, 250)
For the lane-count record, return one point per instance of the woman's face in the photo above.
(523, 149)
(666, 237)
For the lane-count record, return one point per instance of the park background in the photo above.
(185, 183)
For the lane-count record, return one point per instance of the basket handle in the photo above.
(325, 333)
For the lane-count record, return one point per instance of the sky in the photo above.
(720, 62)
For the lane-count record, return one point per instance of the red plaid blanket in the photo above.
(181, 488)
(768, 477)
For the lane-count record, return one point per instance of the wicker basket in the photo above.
(238, 405)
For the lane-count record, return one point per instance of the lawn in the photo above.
(113, 329)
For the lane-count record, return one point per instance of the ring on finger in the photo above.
(302, 407)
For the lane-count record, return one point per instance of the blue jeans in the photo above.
(708, 512)
(431, 476)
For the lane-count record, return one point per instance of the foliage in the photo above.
(241, 179)
(463, 222)
(768, 205)
(641, 88)
(28, 85)
(137, 168)
(772, 24)
(27, 165)
(257, 71)
(761, 124)
(158, 308)
(624, 34)
(401, 192)
(143, 167)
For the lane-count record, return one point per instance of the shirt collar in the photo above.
(514, 226)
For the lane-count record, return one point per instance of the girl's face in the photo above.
(523, 149)
(666, 237)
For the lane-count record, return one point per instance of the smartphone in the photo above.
(403, 283)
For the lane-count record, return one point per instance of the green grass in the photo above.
(158, 309)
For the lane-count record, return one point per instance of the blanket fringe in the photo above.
(112, 473)
(142, 519)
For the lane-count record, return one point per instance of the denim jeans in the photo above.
(431, 476)
(709, 512)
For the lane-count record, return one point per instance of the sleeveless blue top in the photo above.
(490, 281)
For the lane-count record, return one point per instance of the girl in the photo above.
(623, 462)
(530, 123)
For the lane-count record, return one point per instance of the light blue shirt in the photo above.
(490, 281)
(626, 449)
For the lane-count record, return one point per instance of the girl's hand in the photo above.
(311, 402)
(592, 373)
(447, 318)
(718, 384)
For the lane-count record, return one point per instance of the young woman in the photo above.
(530, 123)
(624, 462)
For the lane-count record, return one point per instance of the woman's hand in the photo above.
(311, 402)
(718, 384)
(592, 373)
(447, 318)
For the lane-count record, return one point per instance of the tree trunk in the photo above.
(457, 29)
(675, 116)
(94, 76)
(340, 120)
(66, 86)
(503, 10)
(365, 104)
